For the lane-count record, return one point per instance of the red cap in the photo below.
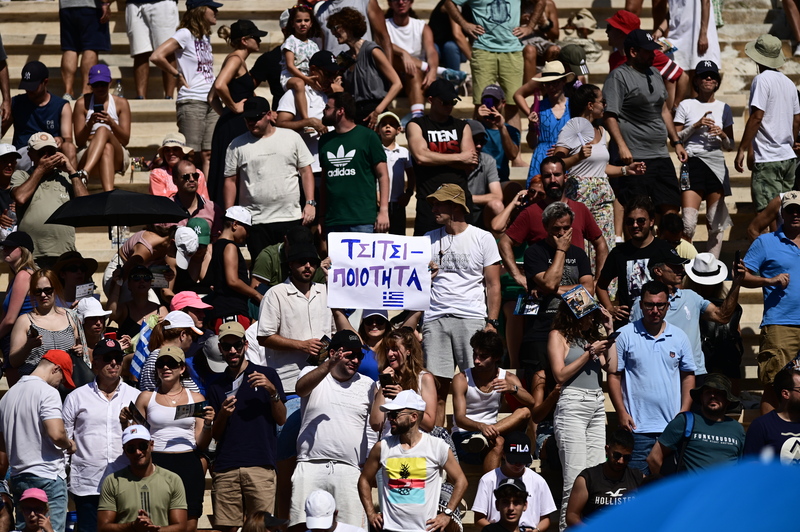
(624, 21)
(62, 360)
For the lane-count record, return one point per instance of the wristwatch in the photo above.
(312, 202)
(514, 390)
(675, 143)
(276, 397)
(447, 511)
(493, 323)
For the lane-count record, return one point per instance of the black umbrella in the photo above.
(117, 207)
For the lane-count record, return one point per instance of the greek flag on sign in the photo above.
(141, 353)
(393, 299)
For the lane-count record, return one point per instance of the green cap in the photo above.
(202, 229)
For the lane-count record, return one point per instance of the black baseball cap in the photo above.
(106, 346)
(33, 73)
(514, 483)
(641, 39)
(347, 340)
(191, 4)
(325, 60)
(444, 90)
(255, 107)
(706, 66)
(666, 256)
(18, 239)
(517, 448)
(245, 28)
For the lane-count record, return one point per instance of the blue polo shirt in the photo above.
(651, 380)
(686, 307)
(772, 254)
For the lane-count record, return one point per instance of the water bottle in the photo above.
(119, 234)
(685, 184)
(118, 89)
(72, 521)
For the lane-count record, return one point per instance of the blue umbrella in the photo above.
(750, 495)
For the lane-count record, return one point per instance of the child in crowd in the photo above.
(511, 500)
(296, 50)
(398, 161)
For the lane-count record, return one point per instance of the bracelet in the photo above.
(624, 170)
(675, 143)
(207, 427)
(177, 75)
(561, 250)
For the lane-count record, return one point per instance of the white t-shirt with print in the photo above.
(316, 106)
(459, 287)
(692, 111)
(196, 63)
(776, 95)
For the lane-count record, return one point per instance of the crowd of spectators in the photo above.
(191, 359)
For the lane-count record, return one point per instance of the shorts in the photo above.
(659, 182)
(540, 43)
(240, 489)
(337, 478)
(447, 344)
(149, 25)
(189, 467)
(770, 179)
(464, 456)
(503, 68)
(778, 346)
(126, 158)
(196, 122)
(81, 30)
(701, 179)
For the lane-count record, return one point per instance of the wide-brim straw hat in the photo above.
(553, 71)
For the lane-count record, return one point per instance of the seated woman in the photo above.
(173, 149)
(130, 315)
(146, 247)
(102, 124)
(372, 71)
(73, 270)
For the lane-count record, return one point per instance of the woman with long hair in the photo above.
(177, 329)
(146, 247)
(192, 48)
(177, 443)
(577, 351)
(17, 251)
(73, 270)
(233, 85)
(129, 315)
(400, 357)
(46, 327)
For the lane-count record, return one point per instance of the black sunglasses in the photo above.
(141, 445)
(195, 176)
(167, 362)
(48, 291)
(140, 277)
(225, 346)
(617, 455)
(635, 221)
(354, 356)
(108, 358)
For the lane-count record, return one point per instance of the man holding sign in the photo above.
(249, 402)
(465, 293)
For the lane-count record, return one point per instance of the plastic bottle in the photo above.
(72, 521)
(685, 184)
(118, 89)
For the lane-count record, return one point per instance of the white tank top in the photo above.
(481, 407)
(170, 435)
(408, 37)
(111, 112)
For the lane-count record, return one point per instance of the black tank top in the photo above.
(604, 491)
(226, 301)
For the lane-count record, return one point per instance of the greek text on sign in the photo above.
(379, 271)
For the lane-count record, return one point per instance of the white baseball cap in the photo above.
(135, 432)
(186, 243)
(178, 319)
(320, 507)
(5, 149)
(405, 399)
(239, 214)
(89, 307)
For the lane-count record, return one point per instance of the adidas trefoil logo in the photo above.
(339, 160)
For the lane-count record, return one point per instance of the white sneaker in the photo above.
(476, 443)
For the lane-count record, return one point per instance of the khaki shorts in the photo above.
(245, 489)
(770, 179)
(778, 345)
(503, 68)
(196, 122)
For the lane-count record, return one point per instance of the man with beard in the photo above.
(528, 226)
(606, 484)
(249, 402)
(638, 119)
(333, 440)
(410, 463)
(628, 261)
(650, 373)
(715, 438)
(352, 160)
(552, 266)
(87, 412)
(780, 428)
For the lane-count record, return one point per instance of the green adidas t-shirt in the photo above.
(347, 161)
(126, 494)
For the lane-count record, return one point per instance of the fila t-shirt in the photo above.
(348, 161)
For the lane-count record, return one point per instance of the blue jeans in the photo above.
(362, 228)
(289, 431)
(642, 445)
(56, 495)
(450, 55)
(86, 506)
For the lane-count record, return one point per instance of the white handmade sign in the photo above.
(379, 271)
